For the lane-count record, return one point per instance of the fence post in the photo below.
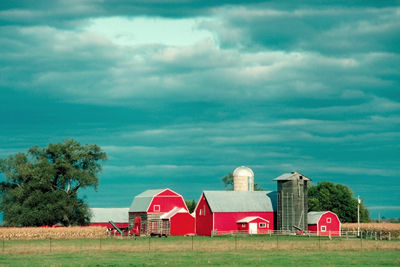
(389, 236)
(3, 244)
(100, 243)
(149, 243)
(50, 243)
(192, 243)
(375, 236)
(319, 242)
(277, 240)
(361, 239)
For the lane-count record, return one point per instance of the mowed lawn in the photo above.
(201, 251)
(229, 258)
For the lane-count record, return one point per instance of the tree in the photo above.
(227, 180)
(41, 186)
(338, 199)
(191, 205)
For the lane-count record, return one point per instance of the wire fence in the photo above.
(276, 240)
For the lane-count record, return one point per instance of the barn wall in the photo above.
(333, 226)
(227, 221)
(166, 203)
(204, 222)
(312, 228)
(182, 224)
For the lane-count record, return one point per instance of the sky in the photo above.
(180, 93)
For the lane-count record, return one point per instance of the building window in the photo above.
(243, 225)
(328, 220)
(262, 225)
(156, 208)
(323, 228)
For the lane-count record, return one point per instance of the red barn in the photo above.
(148, 207)
(323, 223)
(220, 212)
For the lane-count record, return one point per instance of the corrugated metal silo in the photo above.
(292, 201)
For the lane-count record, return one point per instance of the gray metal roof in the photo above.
(291, 176)
(142, 201)
(241, 201)
(313, 216)
(251, 218)
(109, 214)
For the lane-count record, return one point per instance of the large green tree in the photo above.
(41, 186)
(227, 180)
(338, 199)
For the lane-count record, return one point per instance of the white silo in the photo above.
(243, 179)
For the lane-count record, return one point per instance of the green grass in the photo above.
(237, 258)
(201, 251)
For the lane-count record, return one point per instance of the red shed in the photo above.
(323, 223)
(147, 208)
(180, 220)
(254, 225)
(218, 212)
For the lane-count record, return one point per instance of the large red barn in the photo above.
(220, 212)
(148, 207)
(323, 223)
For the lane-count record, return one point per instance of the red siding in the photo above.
(331, 228)
(204, 222)
(227, 221)
(166, 200)
(182, 224)
(108, 225)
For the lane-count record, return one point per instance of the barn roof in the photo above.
(314, 216)
(142, 201)
(109, 214)
(291, 176)
(250, 218)
(171, 213)
(240, 201)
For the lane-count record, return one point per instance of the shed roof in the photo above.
(291, 176)
(240, 201)
(142, 201)
(250, 218)
(314, 216)
(172, 212)
(101, 215)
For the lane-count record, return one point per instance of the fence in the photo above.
(231, 242)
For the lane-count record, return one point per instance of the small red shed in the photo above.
(180, 220)
(323, 223)
(254, 225)
(148, 207)
(218, 212)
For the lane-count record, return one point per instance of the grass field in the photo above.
(195, 258)
(201, 251)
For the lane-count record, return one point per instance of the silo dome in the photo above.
(243, 171)
(243, 179)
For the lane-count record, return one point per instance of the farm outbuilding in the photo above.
(254, 225)
(148, 207)
(220, 212)
(324, 223)
(103, 216)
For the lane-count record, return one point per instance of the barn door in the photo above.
(252, 228)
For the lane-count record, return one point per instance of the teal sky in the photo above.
(179, 93)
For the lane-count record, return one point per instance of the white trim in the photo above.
(328, 220)
(323, 228)
(154, 208)
(264, 225)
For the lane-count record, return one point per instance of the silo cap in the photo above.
(243, 171)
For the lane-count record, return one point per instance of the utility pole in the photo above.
(358, 215)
